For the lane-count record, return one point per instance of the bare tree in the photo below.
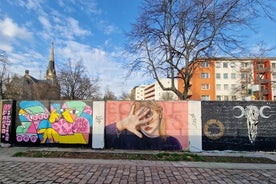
(75, 83)
(170, 36)
(3, 71)
(109, 95)
(167, 96)
(125, 96)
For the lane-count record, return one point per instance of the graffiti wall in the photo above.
(239, 125)
(7, 122)
(61, 122)
(146, 125)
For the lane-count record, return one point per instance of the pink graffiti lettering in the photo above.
(6, 109)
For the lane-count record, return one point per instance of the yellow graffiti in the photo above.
(53, 137)
(211, 135)
(54, 116)
(68, 116)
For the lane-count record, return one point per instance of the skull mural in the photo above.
(251, 113)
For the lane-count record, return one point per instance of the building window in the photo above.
(204, 64)
(217, 65)
(225, 65)
(233, 76)
(273, 65)
(205, 75)
(218, 97)
(218, 75)
(218, 87)
(205, 97)
(244, 65)
(205, 86)
(233, 65)
(225, 86)
(233, 86)
(226, 98)
(225, 75)
(243, 76)
(234, 98)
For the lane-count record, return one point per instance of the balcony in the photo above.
(264, 81)
(265, 91)
(262, 70)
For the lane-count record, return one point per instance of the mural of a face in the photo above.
(151, 129)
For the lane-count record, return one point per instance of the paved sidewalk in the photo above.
(60, 170)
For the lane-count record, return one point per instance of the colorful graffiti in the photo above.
(146, 125)
(6, 123)
(67, 123)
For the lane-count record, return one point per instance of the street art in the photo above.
(6, 123)
(236, 125)
(213, 129)
(252, 113)
(146, 125)
(65, 123)
(33, 115)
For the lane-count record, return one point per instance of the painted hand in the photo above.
(134, 120)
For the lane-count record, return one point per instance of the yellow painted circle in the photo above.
(211, 135)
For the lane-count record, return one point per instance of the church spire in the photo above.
(51, 72)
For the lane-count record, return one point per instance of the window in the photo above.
(205, 97)
(243, 76)
(225, 86)
(244, 65)
(204, 64)
(225, 65)
(218, 75)
(233, 65)
(205, 86)
(205, 75)
(225, 75)
(260, 66)
(233, 76)
(226, 98)
(217, 65)
(273, 65)
(233, 98)
(233, 86)
(218, 87)
(218, 97)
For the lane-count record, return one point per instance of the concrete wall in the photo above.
(192, 125)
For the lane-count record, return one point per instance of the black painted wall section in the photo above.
(241, 126)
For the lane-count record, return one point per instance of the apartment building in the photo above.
(140, 92)
(234, 79)
(154, 91)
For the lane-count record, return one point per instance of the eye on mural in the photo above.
(238, 126)
(146, 125)
(66, 122)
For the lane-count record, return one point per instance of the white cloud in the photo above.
(45, 22)
(73, 25)
(10, 29)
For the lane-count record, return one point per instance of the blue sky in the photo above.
(88, 30)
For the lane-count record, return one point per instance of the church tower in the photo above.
(51, 72)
